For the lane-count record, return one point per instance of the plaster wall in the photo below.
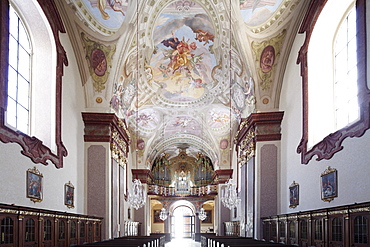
(352, 162)
(13, 165)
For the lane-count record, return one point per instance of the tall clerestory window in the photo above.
(336, 94)
(345, 72)
(19, 75)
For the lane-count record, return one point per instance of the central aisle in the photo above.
(182, 242)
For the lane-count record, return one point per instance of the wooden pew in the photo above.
(131, 241)
(226, 241)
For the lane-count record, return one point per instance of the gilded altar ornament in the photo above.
(267, 53)
(99, 57)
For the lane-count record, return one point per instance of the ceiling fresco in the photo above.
(192, 90)
(256, 12)
(180, 76)
(103, 16)
(183, 61)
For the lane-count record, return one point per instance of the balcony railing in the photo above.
(154, 189)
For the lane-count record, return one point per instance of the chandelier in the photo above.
(163, 214)
(202, 214)
(229, 195)
(137, 195)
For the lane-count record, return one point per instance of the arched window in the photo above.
(337, 230)
(273, 229)
(281, 229)
(90, 230)
(62, 229)
(345, 72)
(19, 74)
(7, 231)
(97, 230)
(47, 230)
(360, 230)
(292, 229)
(333, 67)
(31, 69)
(29, 230)
(82, 229)
(303, 224)
(318, 229)
(73, 229)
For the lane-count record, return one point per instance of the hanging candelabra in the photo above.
(137, 195)
(202, 214)
(229, 195)
(163, 214)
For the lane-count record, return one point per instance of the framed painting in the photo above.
(34, 185)
(156, 218)
(208, 220)
(293, 195)
(329, 184)
(69, 192)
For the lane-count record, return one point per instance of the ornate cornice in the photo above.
(257, 127)
(145, 175)
(104, 127)
(222, 176)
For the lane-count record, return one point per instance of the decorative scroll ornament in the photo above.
(163, 215)
(118, 149)
(137, 195)
(202, 214)
(267, 52)
(229, 195)
(99, 57)
(247, 147)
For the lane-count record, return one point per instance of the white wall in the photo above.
(13, 165)
(352, 163)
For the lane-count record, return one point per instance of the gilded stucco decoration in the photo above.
(99, 57)
(247, 148)
(118, 148)
(266, 55)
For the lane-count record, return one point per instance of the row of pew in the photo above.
(211, 240)
(131, 241)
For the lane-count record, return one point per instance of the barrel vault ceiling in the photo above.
(182, 74)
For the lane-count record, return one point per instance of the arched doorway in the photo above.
(182, 222)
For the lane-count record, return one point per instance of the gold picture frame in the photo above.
(294, 195)
(329, 184)
(69, 194)
(34, 185)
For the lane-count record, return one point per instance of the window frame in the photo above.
(32, 146)
(332, 143)
(20, 74)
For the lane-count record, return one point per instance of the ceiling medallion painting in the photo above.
(99, 57)
(183, 61)
(103, 16)
(256, 12)
(267, 52)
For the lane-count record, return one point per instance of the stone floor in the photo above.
(182, 242)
